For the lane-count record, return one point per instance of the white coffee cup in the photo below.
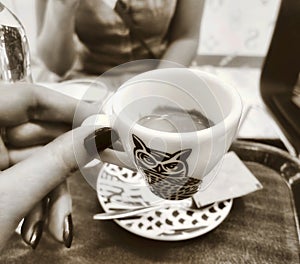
(173, 163)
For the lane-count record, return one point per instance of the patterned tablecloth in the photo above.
(259, 229)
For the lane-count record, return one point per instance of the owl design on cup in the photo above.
(165, 173)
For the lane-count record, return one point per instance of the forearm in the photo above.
(182, 51)
(55, 43)
(184, 32)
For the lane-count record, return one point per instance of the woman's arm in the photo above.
(55, 33)
(184, 32)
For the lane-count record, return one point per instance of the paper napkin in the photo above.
(233, 180)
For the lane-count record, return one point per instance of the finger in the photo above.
(30, 180)
(32, 227)
(27, 182)
(60, 223)
(4, 158)
(37, 133)
(54, 106)
(31, 102)
(17, 155)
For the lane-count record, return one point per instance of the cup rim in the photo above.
(232, 117)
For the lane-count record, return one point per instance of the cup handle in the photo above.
(119, 158)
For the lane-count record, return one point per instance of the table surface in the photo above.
(246, 81)
(259, 229)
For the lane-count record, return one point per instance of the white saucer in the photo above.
(120, 188)
(92, 90)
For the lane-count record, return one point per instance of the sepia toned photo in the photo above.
(150, 131)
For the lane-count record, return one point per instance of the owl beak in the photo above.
(159, 169)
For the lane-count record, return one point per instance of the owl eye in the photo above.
(147, 159)
(174, 166)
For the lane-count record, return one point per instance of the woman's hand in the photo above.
(31, 116)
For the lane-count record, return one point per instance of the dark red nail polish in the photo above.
(101, 139)
(68, 231)
(36, 234)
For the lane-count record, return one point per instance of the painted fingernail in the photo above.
(101, 139)
(36, 234)
(68, 231)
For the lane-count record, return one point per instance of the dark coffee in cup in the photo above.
(175, 120)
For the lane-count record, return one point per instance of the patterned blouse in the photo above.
(104, 41)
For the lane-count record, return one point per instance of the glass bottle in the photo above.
(14, 49)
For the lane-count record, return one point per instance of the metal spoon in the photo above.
(136, 211)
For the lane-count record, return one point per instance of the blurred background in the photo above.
(233, 32)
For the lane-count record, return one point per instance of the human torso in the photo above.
(105, 41)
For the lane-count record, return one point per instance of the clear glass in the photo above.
(14, 49)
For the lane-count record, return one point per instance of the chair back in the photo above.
(281, 69)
